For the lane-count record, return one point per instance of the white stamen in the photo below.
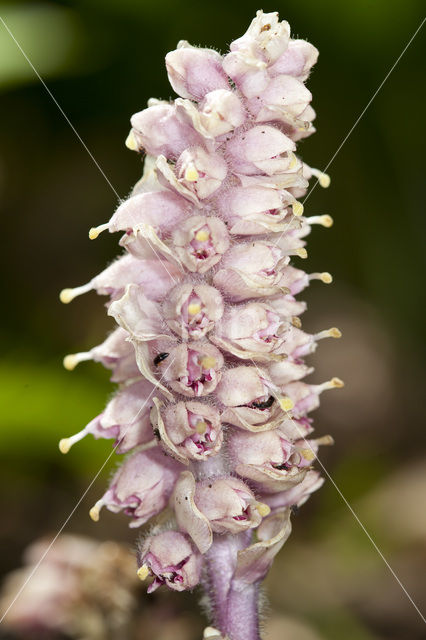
(67, 295)
(72, 359)
(334, 383)
(95, 231)
(325, 221)
(301, 252)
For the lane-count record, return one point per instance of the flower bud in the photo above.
(262, 149)
(221, 111)
(193, 72)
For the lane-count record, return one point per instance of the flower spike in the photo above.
(209, 350)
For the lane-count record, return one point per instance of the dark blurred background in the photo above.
(103, 59)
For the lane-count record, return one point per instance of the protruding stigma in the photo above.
(325, 277)
(72, 359)
(67, 295)
(66, 443)
(263, 509)
(298, 208)
(95, 231)
(323, 178)
(143, 572)
(325, 220)
(286, 403)
(191, 173)
(301, 252)
(334, 332)
(95, 511)
(131, 142)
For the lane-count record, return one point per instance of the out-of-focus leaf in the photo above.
(51, 37)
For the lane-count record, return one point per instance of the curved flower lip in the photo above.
(253, 331)
(287, 371)
(164, 129)
(228, 504)
(255, 210)
(295, 496)
(261, 149)
(220, 112)
(284, 99)
(195, 369)
(200, 242)
(251, 270)
(171, 559)
(297, 61)
(194, 72)
(141, 487)
(191, 311)
(188, 516)
(188, 431)
(254, 561)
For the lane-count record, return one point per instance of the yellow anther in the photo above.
(308, 454)
(326, 221)
(194, 308)
(64, 445)
(337, 383)
(326, 277)
(66, 295)
(70, 362)
(143, 572)
(202, 235)
(208, 362)
(131, 142)
(296, 322)
(95, 231)
(191, 174)
(298, 208)
(263, 509)
(286, 403)
(201, 427)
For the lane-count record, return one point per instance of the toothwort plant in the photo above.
(209, 351)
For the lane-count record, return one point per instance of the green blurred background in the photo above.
(103, 59)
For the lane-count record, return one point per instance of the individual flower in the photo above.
(125, 419)
(200, 242)
(195, 369)
(192, 310)
(141, 487)
(171, 559)
(188, 430)
(251, 400)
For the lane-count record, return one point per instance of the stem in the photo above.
(235, 606)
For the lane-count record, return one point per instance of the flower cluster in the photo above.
(209, 351)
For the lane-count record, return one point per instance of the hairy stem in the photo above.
(234, 605)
